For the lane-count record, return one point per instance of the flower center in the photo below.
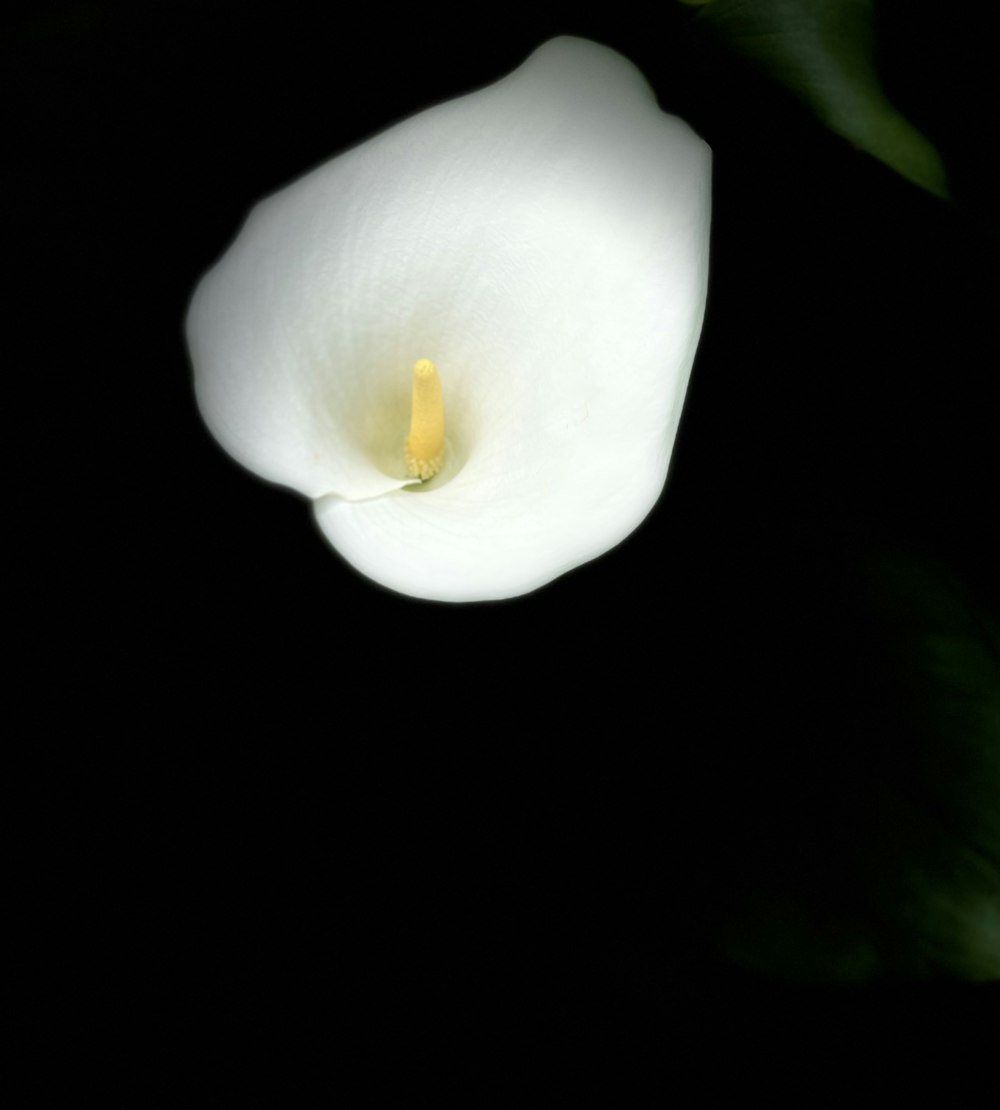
(425, 443)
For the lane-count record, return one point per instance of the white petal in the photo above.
(545, 243)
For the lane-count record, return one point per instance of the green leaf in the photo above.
(824, 52)
(934, 873)
(901, 882)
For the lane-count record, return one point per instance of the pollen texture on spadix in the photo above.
(425, 443)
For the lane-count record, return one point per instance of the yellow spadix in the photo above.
(425, 443)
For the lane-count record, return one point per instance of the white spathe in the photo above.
(545, 243)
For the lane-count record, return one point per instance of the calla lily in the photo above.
(543, 244)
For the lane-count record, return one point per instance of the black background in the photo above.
(280, 817)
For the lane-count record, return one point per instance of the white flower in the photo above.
(544, 242)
